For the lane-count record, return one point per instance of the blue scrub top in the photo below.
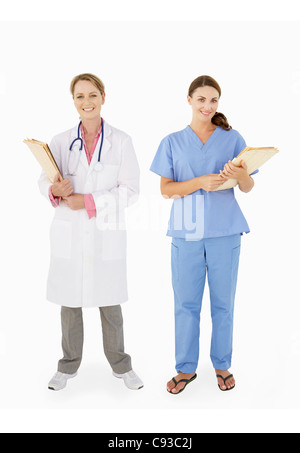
(182, 156)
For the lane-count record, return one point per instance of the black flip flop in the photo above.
(224, 380)
(178, 382)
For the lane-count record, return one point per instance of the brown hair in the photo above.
(91, 78)
(219, 119)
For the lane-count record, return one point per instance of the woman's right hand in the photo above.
(211, 182)
(62, 188)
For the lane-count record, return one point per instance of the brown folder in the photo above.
(43, 155)
(253, 158)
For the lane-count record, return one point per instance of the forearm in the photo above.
(172, 189)
(240, 173)
(246, 184)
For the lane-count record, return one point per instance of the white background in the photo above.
(147, 66)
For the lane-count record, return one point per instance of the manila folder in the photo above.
(253, 158)
(43, 155)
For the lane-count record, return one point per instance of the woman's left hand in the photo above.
(75, 201)
(233, 172)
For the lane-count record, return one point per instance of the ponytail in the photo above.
(219, 119)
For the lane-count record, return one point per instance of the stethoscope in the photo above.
(78, 144)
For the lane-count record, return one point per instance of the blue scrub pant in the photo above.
(191, 260)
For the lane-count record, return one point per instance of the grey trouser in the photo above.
(113, 339)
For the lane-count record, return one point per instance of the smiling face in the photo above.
(204, 102)
(88, 100)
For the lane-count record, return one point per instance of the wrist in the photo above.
(244, 178)
(199, 182)
(53, 191)
(82, 202)
(246, 185)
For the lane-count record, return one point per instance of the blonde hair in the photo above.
(91, 78)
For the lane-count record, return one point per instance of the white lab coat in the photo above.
(88, 256)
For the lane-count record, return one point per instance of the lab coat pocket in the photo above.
(61, 239)
(107, 178)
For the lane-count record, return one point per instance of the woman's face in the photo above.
(204, 102)
(88, 100)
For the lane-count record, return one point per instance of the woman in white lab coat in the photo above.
(88, 237)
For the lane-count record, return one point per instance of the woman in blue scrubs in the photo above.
(206, 227)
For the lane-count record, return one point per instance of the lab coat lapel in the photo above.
(105, 147)
(83, 159)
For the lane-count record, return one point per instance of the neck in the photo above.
(201, 126)
(92, 126)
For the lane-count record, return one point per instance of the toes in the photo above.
(178, 388)
(170, 386)
(231, 383)
(221, 384)
(227, 385)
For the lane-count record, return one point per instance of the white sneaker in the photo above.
(131, 380)
(59, 381)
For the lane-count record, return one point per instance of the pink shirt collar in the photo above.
(89, 156)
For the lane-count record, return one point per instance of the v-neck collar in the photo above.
(198, 141)
(106, 147)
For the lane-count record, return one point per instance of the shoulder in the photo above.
(175, 137)
(62, 140)
(178, 134)
(232, 136)
(60, 137)
(118, 133)
(232, 133)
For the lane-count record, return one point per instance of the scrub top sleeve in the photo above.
(240, 145)
(163, 162)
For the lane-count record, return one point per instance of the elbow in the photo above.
(167, 189)
(247, 187)
(165, 194)
(170, 196)
(164, 191)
